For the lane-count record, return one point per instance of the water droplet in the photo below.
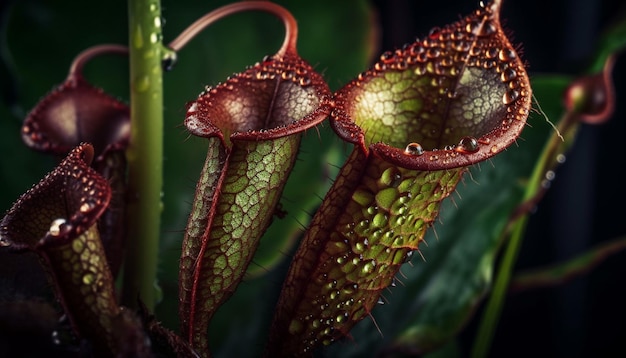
(510, 96)
(57, 337)
(57, 227)
(414, 149)
(304, 81)
(387, 57)
(467, 145)
(433, 52)
(169, 59)
(341, 317)
(550, 175)
(491, 52)
(142, 83)
(157, 22)
(380, 66)
(472, 27)
(138, 38)
(87, 206)
(506, 54)
(488, 29)
(560, 158)
(329, 330)
(434, 32)
(508, 74)
(462, 46)
(380, 301)
(287, 75)
(359, 247)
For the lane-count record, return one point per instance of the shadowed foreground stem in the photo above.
(145, 153)
(589, 99)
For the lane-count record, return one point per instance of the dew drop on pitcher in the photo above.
(467, 145)
(57, 227)
(414, 149)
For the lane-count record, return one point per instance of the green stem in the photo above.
(534, 192)
(145, 153)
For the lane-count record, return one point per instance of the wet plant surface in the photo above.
(296, 188)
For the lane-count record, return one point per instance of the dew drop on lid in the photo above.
(414, 149)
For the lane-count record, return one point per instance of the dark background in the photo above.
(585, 206)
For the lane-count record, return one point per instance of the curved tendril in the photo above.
(291, 27)
(79, 61)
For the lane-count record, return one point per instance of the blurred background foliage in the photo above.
(435, 300)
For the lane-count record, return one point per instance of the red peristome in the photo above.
(77, 112)
(452, 75)
(262, 102)
(72, 192)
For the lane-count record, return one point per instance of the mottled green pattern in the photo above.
(399, 107)
(243, 208)
(84, 280)
(354, 249)
(57, 219)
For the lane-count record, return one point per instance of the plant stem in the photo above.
(291, 26)
(145, 153)
(79, 61)
(534, 192)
